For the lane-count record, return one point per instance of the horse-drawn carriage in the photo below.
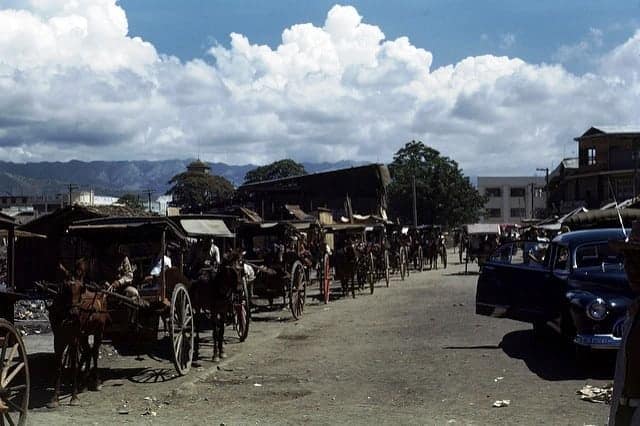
(480, 240)
(376, 237)
(157, 294)
(281, 259)
(14, 365)
(434, 246)
(397, 236)
(352, 259)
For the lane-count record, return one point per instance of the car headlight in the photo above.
(597, 310)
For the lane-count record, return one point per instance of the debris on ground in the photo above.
(497, 379)
(31, 317)
(599, 395)
(124, 408)
(501, 403)
(148, 412)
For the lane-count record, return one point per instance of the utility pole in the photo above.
(149, 192)
(415, 208)
(72, 186)
(532, 194)
(546, 184)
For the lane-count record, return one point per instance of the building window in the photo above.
(517, 192)
(591, 156)
(519, 212)
(494, 213)
(493, 192)
(538, 192)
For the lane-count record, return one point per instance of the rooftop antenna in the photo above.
(613, 194)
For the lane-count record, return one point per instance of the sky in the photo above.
(502, 87)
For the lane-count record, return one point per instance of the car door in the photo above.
(493, 297)
(513, 282)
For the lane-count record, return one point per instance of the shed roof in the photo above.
(602, 218)
(610, 130)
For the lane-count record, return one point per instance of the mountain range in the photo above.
(117, 177)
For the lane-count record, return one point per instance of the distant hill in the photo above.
(117, 177)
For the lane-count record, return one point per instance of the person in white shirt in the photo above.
(214, 253)
(157, 268)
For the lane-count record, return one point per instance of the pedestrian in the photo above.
(626, 387)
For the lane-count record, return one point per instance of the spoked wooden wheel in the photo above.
(298, 290)
(326, 278)
(386, 267)
(181, 329)
(242, 316)
(14, 376)
(403, 263)
(407, 261)
(371, 274)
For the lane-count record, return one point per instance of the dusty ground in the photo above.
(414, 353)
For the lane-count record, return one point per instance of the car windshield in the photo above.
(597, 254)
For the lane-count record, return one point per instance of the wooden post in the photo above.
(163, 283)
(11, 258)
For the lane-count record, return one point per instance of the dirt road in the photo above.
(414, 353)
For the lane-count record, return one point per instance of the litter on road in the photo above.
(599, 395)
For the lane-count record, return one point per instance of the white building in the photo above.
(89, 198)
(511, 198)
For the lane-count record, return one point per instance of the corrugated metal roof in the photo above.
(619, 129)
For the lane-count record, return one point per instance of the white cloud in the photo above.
(584, 51)
(74, 84)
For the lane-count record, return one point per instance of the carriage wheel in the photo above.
(326, 278)
(371, 273)
(386, 267)
(14, 376)
(420, 259)
(242, 316)
(181, 329)
(403, 263)
(408, 262)
(298, 290)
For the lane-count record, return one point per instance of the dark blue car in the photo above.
(575, 285)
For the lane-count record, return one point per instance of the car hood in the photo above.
(615, 281)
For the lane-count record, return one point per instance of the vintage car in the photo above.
(575, 285)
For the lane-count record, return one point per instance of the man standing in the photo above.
(626, 387)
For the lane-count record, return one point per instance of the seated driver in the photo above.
(123, 282)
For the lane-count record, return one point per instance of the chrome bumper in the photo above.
(598, 341)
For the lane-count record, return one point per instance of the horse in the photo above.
(75, 314)
(213, 291)
(432, 253)
(346, 261)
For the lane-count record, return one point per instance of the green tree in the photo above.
(276, 170)
(196, 192)
(131, 200)
(443, 194)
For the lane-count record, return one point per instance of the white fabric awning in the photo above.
(206, 227)
(483, 228)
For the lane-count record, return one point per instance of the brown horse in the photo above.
(345, 260)
(76, 314)
(213, 291)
